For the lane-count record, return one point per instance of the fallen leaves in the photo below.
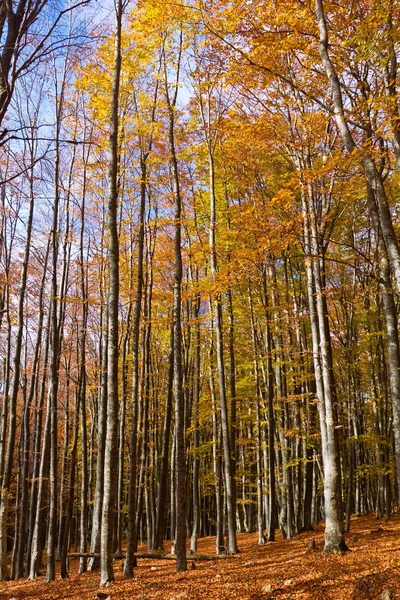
(285, 569)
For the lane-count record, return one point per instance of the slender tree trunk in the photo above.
(39, 468)
(163, 477)
(53, 375)
(219, 538)
(121, 438)
(132, 534)
(180, 538)
(196, 433)
(36, 548)
(260, 514)
(14, 395)
(71, 492)
(269, 384)
(110, 452)
(82, 396)
(217, 309)
(23, 537)
(101, 440)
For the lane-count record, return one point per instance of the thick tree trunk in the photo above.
(334, 540)
(372, 175)
(322, 356)
(393, 350)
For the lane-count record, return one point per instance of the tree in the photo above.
(110, 450)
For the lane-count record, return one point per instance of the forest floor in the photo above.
(286, 569)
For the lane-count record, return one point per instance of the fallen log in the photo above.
(197, 556)
(152, 555)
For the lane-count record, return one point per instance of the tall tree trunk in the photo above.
(82, 394)
(37, 542)
(110, 452)
(101, 438)
(180, 456)
(269, 385)
(54, 361)
(132, 534)
(14, 393)
(260, 513)
(71, 491)
(23, 538)
(40, 448)
(334, 540)
(219, 534)
(372, 175)
(163, 475)
(196, 425)
(217, 309)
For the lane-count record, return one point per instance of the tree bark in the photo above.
(217, 309)
(196, 433)
(132, 534)
(110, 452)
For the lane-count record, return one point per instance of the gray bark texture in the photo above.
(110, 453)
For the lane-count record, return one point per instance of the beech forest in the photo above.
(199, 295)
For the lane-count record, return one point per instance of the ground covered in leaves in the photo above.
(284, 569)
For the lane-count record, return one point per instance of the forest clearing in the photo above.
(285, 569)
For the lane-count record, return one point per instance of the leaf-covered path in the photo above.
(284, 569)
